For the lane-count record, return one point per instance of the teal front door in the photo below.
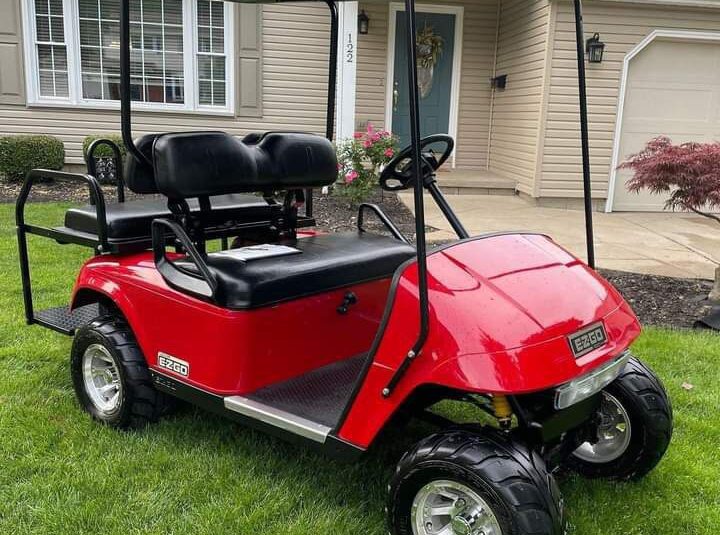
(435, 83)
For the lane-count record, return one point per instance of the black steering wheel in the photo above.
(399, 173)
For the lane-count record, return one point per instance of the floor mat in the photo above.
(319, 396)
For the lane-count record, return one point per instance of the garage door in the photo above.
(673, 89)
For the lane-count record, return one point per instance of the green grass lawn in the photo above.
(196, 473)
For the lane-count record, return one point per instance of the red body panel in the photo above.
(235, 352)
(500, 310)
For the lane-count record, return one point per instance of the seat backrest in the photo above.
(139, 176)
(197, 164)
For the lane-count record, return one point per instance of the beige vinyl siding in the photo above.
(293, 91)
(478, 50)
(372, 68)
(521, 55)
(621, 27)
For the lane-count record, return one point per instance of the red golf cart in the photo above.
(325, 338)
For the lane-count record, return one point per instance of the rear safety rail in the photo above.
(382, 217)
(96, 197)
(60, 319)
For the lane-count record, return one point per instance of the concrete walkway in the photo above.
(671, 244)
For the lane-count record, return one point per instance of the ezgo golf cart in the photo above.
(324, 338)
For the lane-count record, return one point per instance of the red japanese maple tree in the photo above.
(688, 173)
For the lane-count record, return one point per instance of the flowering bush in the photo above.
(360, 160)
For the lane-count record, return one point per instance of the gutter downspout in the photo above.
(492, 90)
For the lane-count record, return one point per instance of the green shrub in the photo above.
(20, 154)
(103, 151)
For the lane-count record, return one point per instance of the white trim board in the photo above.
(669, 3)
(347, 70)
(459, 12)
(682, 35)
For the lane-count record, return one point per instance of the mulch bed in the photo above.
(336, 214)
(663, 301)
(59, 191)
(659, 301)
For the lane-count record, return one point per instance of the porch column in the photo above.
(347, 61)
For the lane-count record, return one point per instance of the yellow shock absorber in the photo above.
(503, 411)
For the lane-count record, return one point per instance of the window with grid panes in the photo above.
(162, 33)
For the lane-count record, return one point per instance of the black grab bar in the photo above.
(91, 159)
(383, 217)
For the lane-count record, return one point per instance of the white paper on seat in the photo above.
(256, 252)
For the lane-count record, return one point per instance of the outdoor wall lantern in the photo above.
(499, 82)
(363, 23)
(595, 49)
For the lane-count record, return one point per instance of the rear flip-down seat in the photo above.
(131, 220)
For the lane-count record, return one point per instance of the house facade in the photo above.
(252, 68)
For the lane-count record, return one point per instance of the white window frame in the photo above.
(72, 44)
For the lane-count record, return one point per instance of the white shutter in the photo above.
(12, 82)
(249, 60)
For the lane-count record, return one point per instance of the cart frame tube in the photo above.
(584, 134)
(419, 187)
(331, 89)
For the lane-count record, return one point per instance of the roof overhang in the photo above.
(668, 3)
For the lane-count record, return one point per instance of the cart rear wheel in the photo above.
(111, 377)
(636, 424)
(462, 483)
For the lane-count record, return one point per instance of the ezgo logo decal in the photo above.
(174, 365)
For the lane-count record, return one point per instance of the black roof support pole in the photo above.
(419, 204)
(584, 135)
(331, 89)
(125, 97)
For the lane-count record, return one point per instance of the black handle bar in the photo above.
(205, 284)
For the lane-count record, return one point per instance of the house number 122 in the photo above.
(349, 49)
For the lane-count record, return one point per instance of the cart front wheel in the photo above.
(111, 377)
(463, 483)
(634, 430)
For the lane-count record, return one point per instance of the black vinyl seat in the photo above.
(326, 262)
(132, 220)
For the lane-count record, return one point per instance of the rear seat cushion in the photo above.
(133, 219)
(326, 262)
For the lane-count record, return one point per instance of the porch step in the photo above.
(480, 182)
(309, 405)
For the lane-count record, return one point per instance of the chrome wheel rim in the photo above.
(447, 507)
(614, 433)
(102, 379)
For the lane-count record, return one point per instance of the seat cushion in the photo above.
(132, 219)
(326, 262)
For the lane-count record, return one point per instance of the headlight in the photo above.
(590, 384)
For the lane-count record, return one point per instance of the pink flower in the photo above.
(389, 153)
(384, 133)
(358, 135)
(368, 143)
(370, 129)
(351, 176)
(377, 136)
